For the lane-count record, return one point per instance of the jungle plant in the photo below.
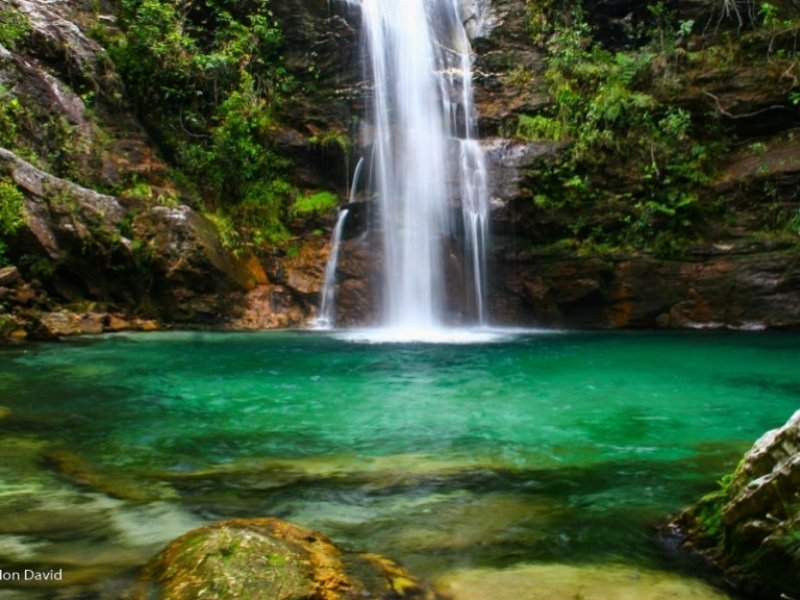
(629, 149)
(15, 27)
(208, 79)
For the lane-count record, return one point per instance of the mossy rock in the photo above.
(270, 559)
(750, 526)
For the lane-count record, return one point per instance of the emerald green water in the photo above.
(566, 447)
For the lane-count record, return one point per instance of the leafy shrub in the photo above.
(629, 150)
(14, 29)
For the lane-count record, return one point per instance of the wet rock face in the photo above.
(270, 559)
(751, 526)
(508, 162)
(359, 278)
(722, 286)
(506, 65)
(319, 124)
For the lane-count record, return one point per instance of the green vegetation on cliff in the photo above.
(15, 27)
(12, 213)
(207, 78)
(646, 131)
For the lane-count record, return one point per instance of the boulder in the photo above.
(270, 559)
(9, 276)
(56, 38)
(120, 252)
(193, 274)
(751, 525)
(58, 324)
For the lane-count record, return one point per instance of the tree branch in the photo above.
(728, 114)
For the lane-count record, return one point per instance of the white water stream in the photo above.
(426, 165)
(325, 318)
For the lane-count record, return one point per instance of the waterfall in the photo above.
(326, 316)
(422, 111)
(426, 164)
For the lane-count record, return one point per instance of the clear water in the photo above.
(565, 447)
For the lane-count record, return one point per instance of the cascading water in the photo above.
(425, 161)
(422, 113)
(325, 318)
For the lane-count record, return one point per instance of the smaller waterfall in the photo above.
(356, 178)
(326, 317)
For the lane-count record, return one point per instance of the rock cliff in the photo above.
(113, 237)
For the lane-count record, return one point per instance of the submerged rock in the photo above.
(560, 582)
(47, 522)
(751, 525)
(114, 483)
(271, 559)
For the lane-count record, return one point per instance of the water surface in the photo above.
(559, 447)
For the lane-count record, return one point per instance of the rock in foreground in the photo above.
(751, 525)
(270, 559)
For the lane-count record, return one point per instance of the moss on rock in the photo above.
(270, 559)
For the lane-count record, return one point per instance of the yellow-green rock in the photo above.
(270, 559)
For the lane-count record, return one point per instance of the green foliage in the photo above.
(12, 213)
(790, 542)
(12, 207)
(540, 127)
(14, 26)
(769, 14)
(227, 232)
(40, 266)
(632, 156)
(12, 116)
(207, 78)
(318, 203)
(332, 138)
(518, 77)
(793, 223)
(262, 212)
(138, 189)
